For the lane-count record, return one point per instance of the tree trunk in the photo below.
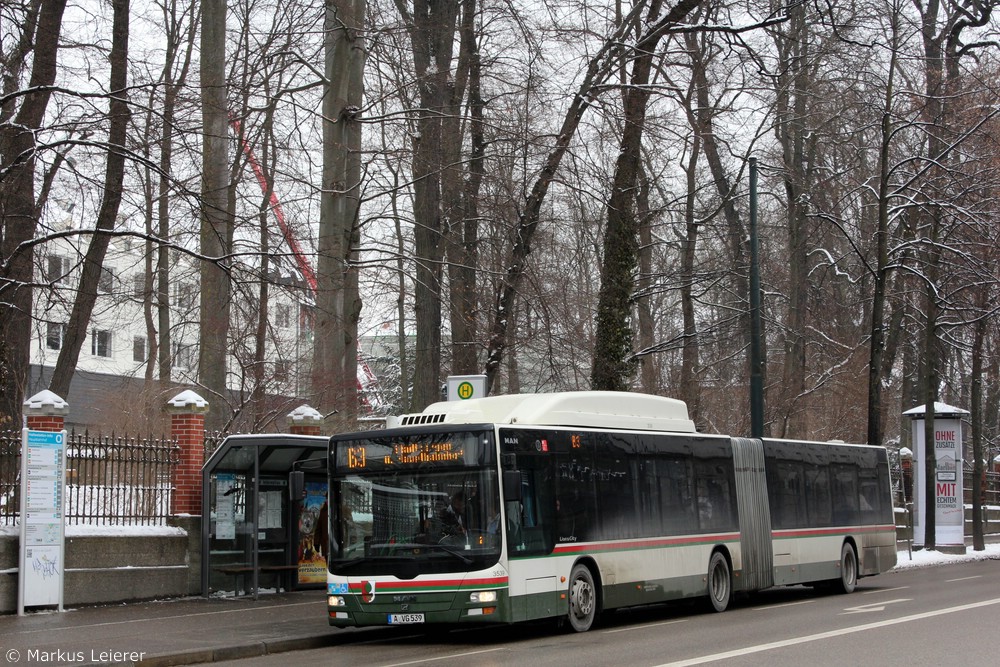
(648, 375)
(976, 409)
(437, 179)
(689, 390)
(172, 88)
(216, 223)
(877, 338)
(463, 191)
(338, 305)
(792, 132)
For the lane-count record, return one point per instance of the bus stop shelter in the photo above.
(254, 535)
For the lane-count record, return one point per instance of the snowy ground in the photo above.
(928, 558)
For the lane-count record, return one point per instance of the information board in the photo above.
(43, 534)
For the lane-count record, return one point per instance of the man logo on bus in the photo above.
(368, 591)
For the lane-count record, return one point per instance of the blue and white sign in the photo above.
(43, 533)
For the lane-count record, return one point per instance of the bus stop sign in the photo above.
(464, 387)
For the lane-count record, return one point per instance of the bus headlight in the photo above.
(335, 601)
(483, 596)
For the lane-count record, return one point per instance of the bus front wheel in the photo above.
(582, 599)
(720, 582)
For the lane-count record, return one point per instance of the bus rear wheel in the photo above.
(720, 582)
(848, 570)
(582, 598)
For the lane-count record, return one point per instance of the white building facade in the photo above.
(125, 315)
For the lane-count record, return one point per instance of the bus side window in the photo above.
(537, 508)
(845, 490)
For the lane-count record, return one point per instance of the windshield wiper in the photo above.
(403, 551)
(448, 550)
(341, 564)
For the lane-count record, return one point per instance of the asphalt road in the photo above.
(945, 615)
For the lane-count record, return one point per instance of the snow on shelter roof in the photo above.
(608, 409)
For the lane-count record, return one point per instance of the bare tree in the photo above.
(613, 361)
(21, 115)
(119, 115)
(600, 67)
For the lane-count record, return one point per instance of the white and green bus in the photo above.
(564, 505)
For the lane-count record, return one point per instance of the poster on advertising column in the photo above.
(313, 534)
(43, 533)
(947, 501)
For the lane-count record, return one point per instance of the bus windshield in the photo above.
(416, 503)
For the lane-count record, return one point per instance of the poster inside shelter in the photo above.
(313, 532)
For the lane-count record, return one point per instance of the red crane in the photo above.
(305, 268)
(367, 382)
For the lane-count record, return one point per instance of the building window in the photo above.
(55, 333)
(184, 356)
(106, 283)
(139, 349)
(100, 343)
(186, 296)
(139, 286)
(281, 369)
(56, 268)
(283, 316)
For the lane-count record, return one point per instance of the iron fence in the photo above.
(902, 487)
(110, 480)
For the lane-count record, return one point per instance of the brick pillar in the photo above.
(187, 426)
(305, 421)
(45, 412)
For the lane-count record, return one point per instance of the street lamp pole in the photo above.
(756, 335)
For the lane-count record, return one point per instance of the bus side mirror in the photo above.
(511, 485)
(296, 485)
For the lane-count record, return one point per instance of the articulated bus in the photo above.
(511, 508)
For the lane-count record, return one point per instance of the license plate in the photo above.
(404, 619)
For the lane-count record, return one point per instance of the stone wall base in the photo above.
(109, 569)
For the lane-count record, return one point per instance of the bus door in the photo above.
(534, 584)
(755, 516)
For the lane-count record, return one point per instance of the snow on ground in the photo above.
(926, 558)
(89, 530)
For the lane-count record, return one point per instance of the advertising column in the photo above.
(43, 535)
(947, 502)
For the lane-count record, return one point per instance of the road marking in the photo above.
(760, 648)
(948, 581)
(874, 606)
(446, 657)
(885, 590)
(643, 627)
(786, 604)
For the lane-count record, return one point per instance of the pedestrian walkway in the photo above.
(171, 632)
(178, 632)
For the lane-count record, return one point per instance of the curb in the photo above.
(233, 652)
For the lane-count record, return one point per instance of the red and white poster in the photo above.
(947, 502)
